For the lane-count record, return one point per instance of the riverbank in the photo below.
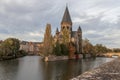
(58, 58)
(107, 71)
(19, 54)
(10, 57)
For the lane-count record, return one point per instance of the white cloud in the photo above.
(112, 16)
(26, 19)
(36, 34)
(109, 37)
(90, 32)
(78, 20)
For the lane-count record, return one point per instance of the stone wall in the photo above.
(107, 71)
(55, 58)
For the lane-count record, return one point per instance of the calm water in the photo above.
(33, 68)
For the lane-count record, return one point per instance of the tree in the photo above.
(66, 36)
(10, 47)
(48, 41)
(116, 50)
(72, 50)
(87, 47)
(60, 49)
(57, 49)
(100, 49)
(64, 49)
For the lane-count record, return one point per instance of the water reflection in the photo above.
(33, 68)
(9, 69)
(88, 64)
(62, 70)
(29, 68)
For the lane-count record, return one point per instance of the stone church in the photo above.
(74, 36)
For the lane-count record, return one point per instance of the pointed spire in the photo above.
(57, 31)
(66, 16)
(79, 29)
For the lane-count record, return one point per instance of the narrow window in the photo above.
(67, 27)
(63, 27)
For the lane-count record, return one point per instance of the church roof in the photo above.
(57, 31)
(79, 29)
(74, 33)
(66, 16)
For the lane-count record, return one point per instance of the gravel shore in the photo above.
(107, 71)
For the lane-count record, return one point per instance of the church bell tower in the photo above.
(66, 22)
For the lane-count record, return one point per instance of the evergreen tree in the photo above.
(57, 49)
(64, 49)
(60, 49)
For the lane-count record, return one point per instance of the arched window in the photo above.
(63, 27)
(67, 27)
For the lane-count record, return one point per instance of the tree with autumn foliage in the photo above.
(48, 41)
(9, 47)
(88, 48)
(66, 36)
(100, 49)
(72, 50)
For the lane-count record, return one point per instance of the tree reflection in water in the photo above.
(33, 68)
(62, 70)
(9, 69)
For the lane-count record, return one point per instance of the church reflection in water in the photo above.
(34, 68)
(62, 70)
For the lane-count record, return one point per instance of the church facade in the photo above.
(66, 29)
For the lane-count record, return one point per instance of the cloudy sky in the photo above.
(26, 19)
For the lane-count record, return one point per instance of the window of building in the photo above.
(67, 27)
(63, 27)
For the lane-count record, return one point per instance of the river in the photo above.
(33, 68)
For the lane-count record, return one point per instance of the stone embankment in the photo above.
(107, 71)
(57, 58)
